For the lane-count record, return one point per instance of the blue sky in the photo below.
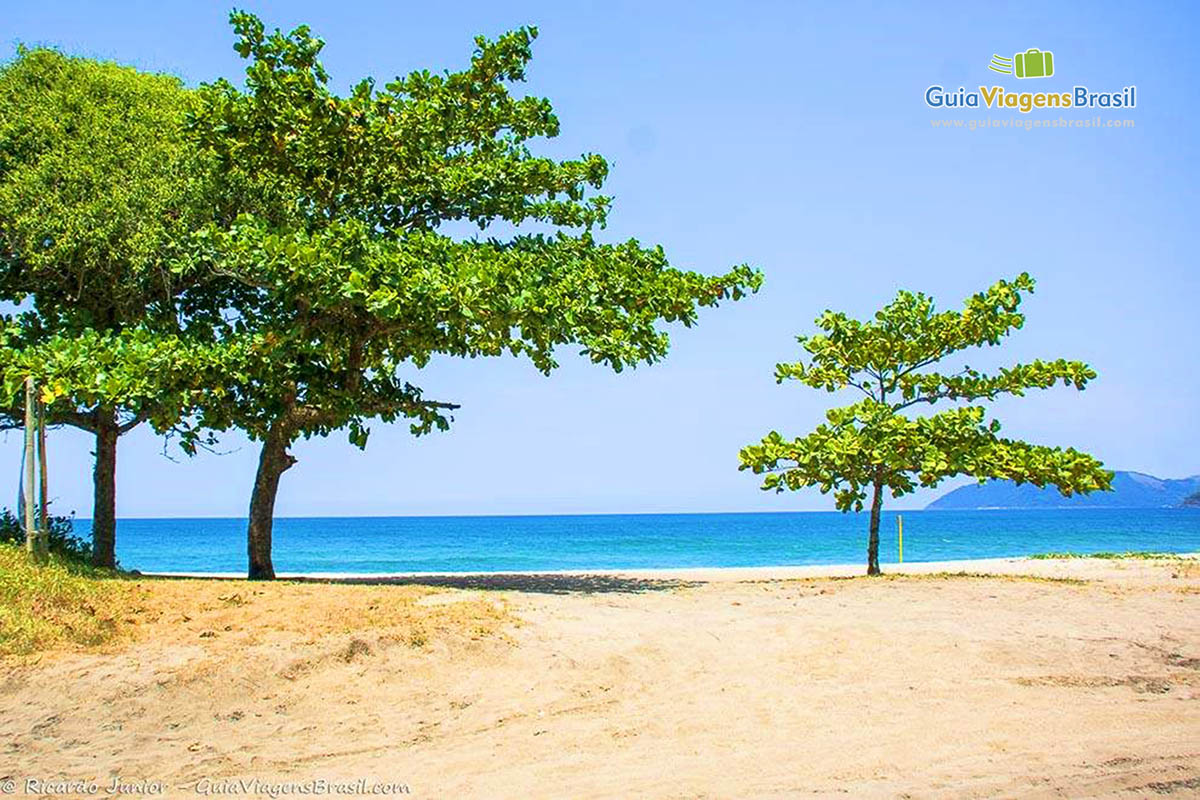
(791, 136)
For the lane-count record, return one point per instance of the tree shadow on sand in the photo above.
(532, 583)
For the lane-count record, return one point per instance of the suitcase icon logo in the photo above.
(1033, 63)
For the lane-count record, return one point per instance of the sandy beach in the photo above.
(1049, 678)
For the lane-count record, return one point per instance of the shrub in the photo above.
(63, 541)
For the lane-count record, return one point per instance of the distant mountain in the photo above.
(1130, 490)
(1191, 501)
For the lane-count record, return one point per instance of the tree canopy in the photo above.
(874, 445)
(100, 190)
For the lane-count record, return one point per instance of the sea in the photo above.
(372, 545)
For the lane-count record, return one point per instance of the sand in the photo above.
(1081, 681)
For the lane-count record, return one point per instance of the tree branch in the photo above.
(138, 419)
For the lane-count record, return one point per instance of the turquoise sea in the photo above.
(484, 544)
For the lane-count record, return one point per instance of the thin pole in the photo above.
(27, 482)
(44, 489)
(900, 526)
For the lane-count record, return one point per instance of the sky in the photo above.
(791, 136)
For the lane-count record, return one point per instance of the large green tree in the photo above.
(877, 445)
(99, 186)
(357, 279)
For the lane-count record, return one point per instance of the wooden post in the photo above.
(43, 483)
(27, 502)
(900, 527)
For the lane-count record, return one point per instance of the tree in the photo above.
(98, 186)
(873, 445)
(354, 281)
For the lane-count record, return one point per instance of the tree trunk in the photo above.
(873, 541)
(104, 490)
(272, 462)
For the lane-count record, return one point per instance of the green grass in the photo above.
(1137, 554)
(55, 604)
(994, 576)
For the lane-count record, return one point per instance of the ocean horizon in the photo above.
(504, 543)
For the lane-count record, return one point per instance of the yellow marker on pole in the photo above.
(900, 525)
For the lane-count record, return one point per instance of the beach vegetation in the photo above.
(61, 538)
(1144, 555)
(61, 602)
(878, 446)
(99, 189)
(360, 257)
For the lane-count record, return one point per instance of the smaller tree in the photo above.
(874, 445)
